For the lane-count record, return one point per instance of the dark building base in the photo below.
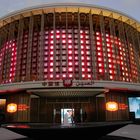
(41, 130)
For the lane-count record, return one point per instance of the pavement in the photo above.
(128, 131)
(6, 134)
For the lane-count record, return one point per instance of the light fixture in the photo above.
(11, 108)
(111, 106)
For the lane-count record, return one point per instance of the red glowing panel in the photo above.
(107, 40)
(99, 53)
(98, 38)
(110, 60)
(51, 58)
(89, 76)
(70, 75)
(108, 45)
(57, 76)
(70, 69)
(87, 47)
(69, 41)
(51, 52)
(70, 57)
(89, 70)
(63, 36)
(111, 77)
(123, 106)
(97, 33)
(70, 52)
(22, 107)
(110, 66)
(63, 41)
(100, 65)
(57, 31)
(51, 41)
(69, 36)
(83, 75)
(64, 75)
(109, 55)
(98, 48)
(70, 46)
(82, 58)
(108, 50)
(98, 43)
(99, 59)
(52, 36)
(51, 70)
(51, 47)
(110, 71)
(51, 75)
(70, 63)
(100, 70)
(83, 69)
(82, 52)
(57, 36)
(88, 58)
(83, 63)
(52, 31)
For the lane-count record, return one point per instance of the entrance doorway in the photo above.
(69, 113)
(53, 110)
(67, 116)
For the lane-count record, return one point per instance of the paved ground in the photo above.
(129, 130)
(9, 135)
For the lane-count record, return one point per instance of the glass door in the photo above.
(67, 115)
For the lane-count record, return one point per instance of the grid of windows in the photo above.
(8, 55)
(73, 46)
(24, 56)
(86, 54)
(67, 57)
(118, 66)
(34, 55)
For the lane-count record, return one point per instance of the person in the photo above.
(68, 117)
(77, 117)
(84, 116)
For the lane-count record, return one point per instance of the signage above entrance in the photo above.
(68, 83)
(85, 83)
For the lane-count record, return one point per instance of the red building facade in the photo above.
(75, 56)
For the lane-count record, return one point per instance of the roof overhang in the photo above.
(70, 7)
(78, 92)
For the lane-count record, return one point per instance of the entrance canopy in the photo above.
(78, 92)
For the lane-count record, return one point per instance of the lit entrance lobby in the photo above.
(52, 105)
(67, 106)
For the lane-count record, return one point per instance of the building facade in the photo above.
(59, 57)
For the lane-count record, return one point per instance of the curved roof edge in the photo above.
(134, 22)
